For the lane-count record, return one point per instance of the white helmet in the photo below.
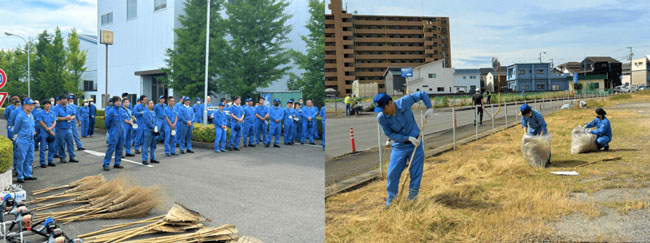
(478, 90)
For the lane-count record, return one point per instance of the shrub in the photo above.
(6, 154)
(100, 113)
(99, 122)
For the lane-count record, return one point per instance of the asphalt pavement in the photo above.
(274, 194)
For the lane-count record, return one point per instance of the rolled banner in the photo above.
(135, 126)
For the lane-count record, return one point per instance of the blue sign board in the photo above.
(575, 78)
(407, 72)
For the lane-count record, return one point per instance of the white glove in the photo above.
(428, 113)
(135, 126)
(14, 137)
(155, 129)
(414, 141)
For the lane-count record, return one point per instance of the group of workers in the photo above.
(399, 125)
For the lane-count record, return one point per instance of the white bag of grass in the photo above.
(536, 149)
(582, 141)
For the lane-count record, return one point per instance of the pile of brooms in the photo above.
(117, 198)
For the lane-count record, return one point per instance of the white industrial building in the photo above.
(88, 43)
(466, 80)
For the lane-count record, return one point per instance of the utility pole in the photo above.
(540, 56)
(551, 63)
(207, 54)
(631, 54)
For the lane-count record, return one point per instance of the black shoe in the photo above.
(74, 160)
(145, 163)
(31, 178)
(106, 168)
(20, 181)
(118, 167)
(276, 146)
(190, 151)
(43, 166)
(81, 149)
(137, 152)
(130, 155)
(251, 145)
(182, 151)
(63, 161)
(245, 145)
(606, 148)
(51, 164)
(236, 149)
(155, 162)
(266, 145)
(312, 143)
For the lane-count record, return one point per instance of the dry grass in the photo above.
(485, 191)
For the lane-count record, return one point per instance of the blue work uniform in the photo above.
(10, 131)
(75, 132)
(64, 134)
(308, 126)
(180, 129)
(260, 124)
(170, 141)
(322, 115)
(315, 128)
(138, 111)
(185, 114)
(6, 115)
(159, 109)
(113, 122)
(535, 123)
(92, 115)
(24, 128)
(128, 129)
(235, 127)
(220, 120)
(276, 113)
(297, 131)
(197, 113)
(84, 116)
(148, 122)
(48, 118)
(603, 131)
(249, 125)
(399, 128)
(289, 113)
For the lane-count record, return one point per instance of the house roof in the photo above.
(602, 59)
(467, 71)
(393, 71)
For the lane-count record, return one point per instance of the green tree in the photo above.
(52, 78)
(256, 55)
(39, 77)
(312, 81)
(186, 62)
(75, 65)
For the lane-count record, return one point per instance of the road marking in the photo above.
(102, 155)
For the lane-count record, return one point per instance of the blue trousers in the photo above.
(25, 157)
(64, 138)
(148, 145)
(128, 137)
(249, 132)
(115, 144)
(274, 130)
(308, 131)
(46, 146)
(220, 140)
(260, 131)
(84, 126)
(298, 135)
(161, 124)
(288, 132)
(91, 126)
(186, 137)
(137, 139)
(75, 135)
(603, 141)
(401, 155)
(170, 141)
(180, 132)
(235, 135)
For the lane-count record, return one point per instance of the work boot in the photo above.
(182, 151)
(145, 162)
(245, 145)
(130, 155)
(73, 160)
(31, 178)
(51, 164)
(43, 166)
(62, 160)
(229, 148)
(137, 152)
(266, 145)
(153, 161)
(106, 168)
(276, 146)
(20, 181)
(251, 145)
(236, 149)
(312, 143)
(79, 149)
(118, 167)
(606, 148)
(190, 151)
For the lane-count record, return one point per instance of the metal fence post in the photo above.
(453, 124)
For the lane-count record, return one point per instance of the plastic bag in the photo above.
(536, 149)
(582, 141)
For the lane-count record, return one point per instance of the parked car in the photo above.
(643, 87)
(621, 89)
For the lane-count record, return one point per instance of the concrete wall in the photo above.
(640, 70)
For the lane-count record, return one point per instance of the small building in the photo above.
(603, 65)
(466, 80)
(589, 83)
(432, 78)
(395, 83)
(640, 71)
(534, 77)
(364, 89)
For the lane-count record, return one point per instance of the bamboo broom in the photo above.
(76, 183)
(79, 190)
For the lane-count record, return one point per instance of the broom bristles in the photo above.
(72, 184)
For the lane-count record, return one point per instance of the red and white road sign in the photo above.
(3, 79)
(3, 96)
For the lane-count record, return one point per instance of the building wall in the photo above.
(464, 81)
(361, 47)
(534, 77)
(586, 83)
(640, 72)
(364, 89)
(441, 84)
(89, 45)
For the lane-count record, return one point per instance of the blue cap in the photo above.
(70, 97)
(248, 99)
(57, 98)
(290, 101)
(197, 99)
(276, 100)
(28, 101)
(380, 101)
(161, 97)
(222, 104)
(525, 108)
(186, 98)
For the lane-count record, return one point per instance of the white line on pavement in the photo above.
(102, 155)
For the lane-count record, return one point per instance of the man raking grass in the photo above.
(398, 122)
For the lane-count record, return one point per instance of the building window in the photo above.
(159, 4)
(430, 89)
(432, 75)
(464, 77)
(131, 9)
(472, 77)
(555, 87)
(522, 71)
(540, 71)
(540, 86)
(472, 88)
(418, 89)
(107, 18)
(89, 85)
(425, 86)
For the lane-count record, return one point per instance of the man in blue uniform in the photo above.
(10, 113)
(197, 111)
(275, 125)
(65, 123)
(148, 130)
(92, 110)
(84, 116)
(171, 118)
(185, 115)
(603, 130)
(113, 122)
(249, 123)
(139, 110)
(77, 120)
(24, 137)
(308, 123)
(179, 128)
(127, 127)
(46, 122)
(398, 123)
(298, 135)
(261, 113)
(532, 121)
(237, 117)
(289, 113)
(159, 109)
(220, 128)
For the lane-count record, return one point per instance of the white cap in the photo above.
(478, 90)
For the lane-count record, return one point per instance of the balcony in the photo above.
(330, 48)
(330, 65)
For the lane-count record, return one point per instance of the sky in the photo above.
(517, 31)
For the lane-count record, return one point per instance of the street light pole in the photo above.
(29, 53)
(540, 56)
(205, 87)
